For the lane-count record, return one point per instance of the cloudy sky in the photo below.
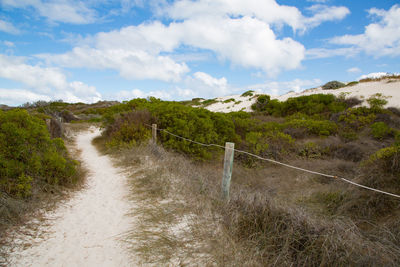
(86, 51)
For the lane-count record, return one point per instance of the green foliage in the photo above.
(129, 128)
(397, 138)
(196, 124)
(387, 158)
(333, 85)
(193, 102)
(348, 134)
(28, 156)
(310, 150)
(380, 130)
(271, 143)
(357, 118)
(208, 102)
(262, 103)
(229, 100)
(352, 83)
(256, 141)
(377, 102)
(309, 105)
(248, 93)
(315, 127)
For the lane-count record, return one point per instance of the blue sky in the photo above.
(86, 51)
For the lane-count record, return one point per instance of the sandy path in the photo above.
(85, 230)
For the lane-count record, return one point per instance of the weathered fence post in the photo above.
(154, 131)
(228, 166)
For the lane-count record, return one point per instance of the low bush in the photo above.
(29, 157)
(377, 102)
(130, 128)
(333, 85)
(248, 93)
(313, 127)
(357, 118)
(380, 130)
(196, 124)
(387, 158)
(352, 83)
(309, 105)
(229, 100)
(208, 102)
(311, 150)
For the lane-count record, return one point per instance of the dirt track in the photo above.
(86, 230)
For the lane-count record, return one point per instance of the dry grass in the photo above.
(276, 216)
(389, 78)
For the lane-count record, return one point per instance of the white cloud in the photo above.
(376, 75)
(278, 88)
(131, 64)
(324, 13)
(268, 11)
(8, 27)
(245, 41)
(234, 30)
(199, 84)
(353, 70)
(68, 11)
(315, 53)
(379, 39)
(136, 93)
(141, 52)
(8, 44)
(48, 83)
(14, 97)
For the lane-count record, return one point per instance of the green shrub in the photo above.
(208, 102)
(229, 100)
(380, 130)
(348, 134)
(257, 142)
(351, 83)
(248, 93)
(129, 129)
(310, 150)
(315, 127)
(377, 102)
(196, 124)
(388, 158)
(28, 156)
(309, 105)
(357, 118)
(333, 85)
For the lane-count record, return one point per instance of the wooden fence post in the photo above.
(154, 131)
(228, 166)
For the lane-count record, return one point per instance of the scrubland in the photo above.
(276, 215)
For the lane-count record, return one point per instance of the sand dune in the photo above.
(389, 88)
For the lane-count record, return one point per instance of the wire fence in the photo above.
(281, 163)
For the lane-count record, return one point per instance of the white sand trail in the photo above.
(86, 230)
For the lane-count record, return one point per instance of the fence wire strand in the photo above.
(280, 163)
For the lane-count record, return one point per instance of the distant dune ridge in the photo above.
(380, 82)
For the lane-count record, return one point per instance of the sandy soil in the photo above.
(88, 229)
(388, 88)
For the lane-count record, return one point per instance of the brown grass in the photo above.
(276, 216)
(390, 78)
